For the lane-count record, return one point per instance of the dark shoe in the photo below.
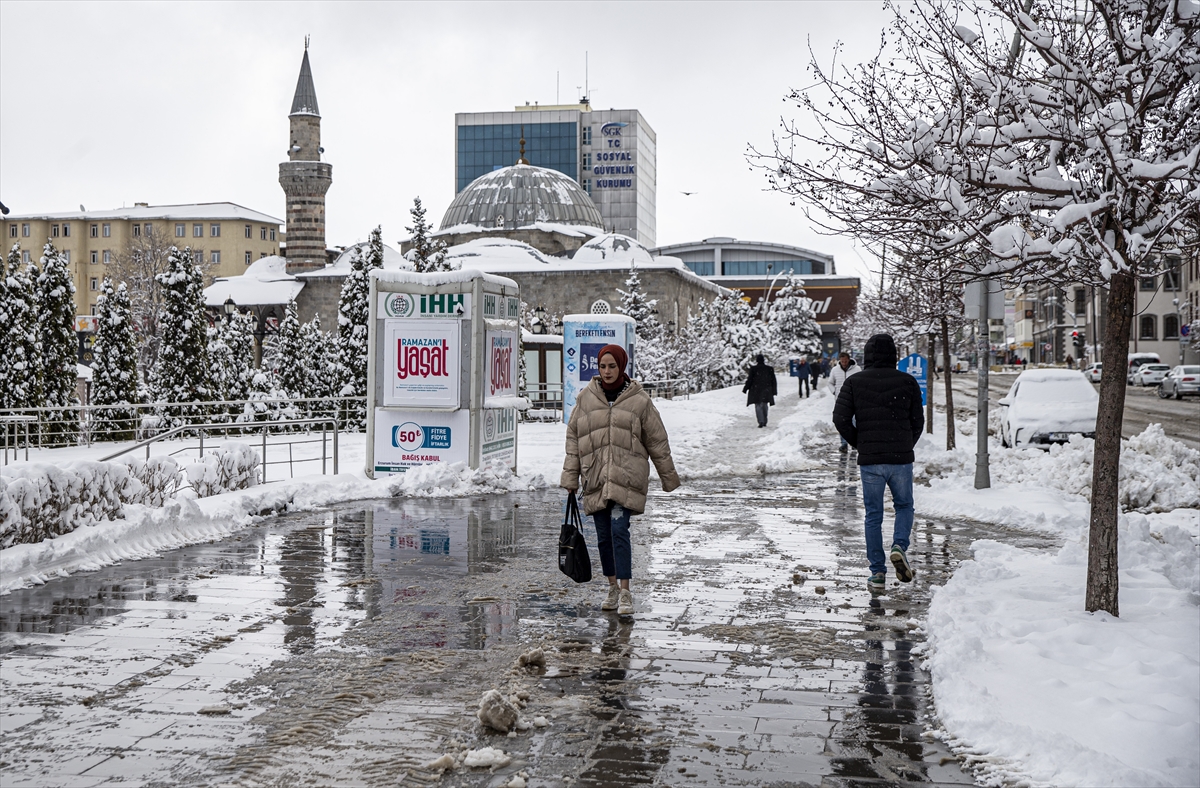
(845, 447)
(877, 583)
(904, 572)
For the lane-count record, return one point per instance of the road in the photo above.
(1180, 419)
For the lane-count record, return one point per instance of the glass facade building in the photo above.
(612, 154)
(484, 148)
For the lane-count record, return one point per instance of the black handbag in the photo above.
(573, 558)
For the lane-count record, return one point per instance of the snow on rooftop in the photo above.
(203, 210)
(392, 260)
(438, 277)
(570, 230)
(264, 283)
(613, 248)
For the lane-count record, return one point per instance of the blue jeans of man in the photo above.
(613, 542)
(760, 412)
(899, 479)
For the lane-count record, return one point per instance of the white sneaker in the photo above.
(625, 605)
(613, 598)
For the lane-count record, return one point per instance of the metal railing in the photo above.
(668, 389)
(200, 430)
(83, 425)
(545, 400)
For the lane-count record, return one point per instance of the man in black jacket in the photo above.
(879, 413)
(760, 389)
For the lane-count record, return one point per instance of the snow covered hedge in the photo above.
(40, 501)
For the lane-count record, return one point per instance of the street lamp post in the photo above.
(230, 309)
(539, 320)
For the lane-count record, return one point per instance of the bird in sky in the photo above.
(687, 194)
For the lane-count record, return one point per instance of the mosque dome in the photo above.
(613, 248)
(520, 196)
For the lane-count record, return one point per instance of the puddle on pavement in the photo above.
(376, 603)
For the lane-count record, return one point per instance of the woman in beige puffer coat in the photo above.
(613, 433)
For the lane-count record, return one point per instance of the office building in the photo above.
(612, 154)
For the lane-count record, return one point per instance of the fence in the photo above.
(545, 401)
(85, 425)
(668, 389)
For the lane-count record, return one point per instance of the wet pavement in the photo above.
(350, 646)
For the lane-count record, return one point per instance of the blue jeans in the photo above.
(898, 478)
(613, 543)
(760, 412)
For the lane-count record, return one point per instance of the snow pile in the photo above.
(805, 432)
(1157, 473)
(1036, 691)
(159, 476)
(456, 480)
(233, 466)
(497, 712)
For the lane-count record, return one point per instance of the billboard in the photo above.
(421, 362)
(405, 439)
(583, 336)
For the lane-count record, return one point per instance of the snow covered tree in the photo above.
(114, 365)
(352, 330)
(231, 362)
(428, 254)
(320, 367)
(181, 373)
(1066, 153)
(20, 343)
(792, 322)
(60, 348)
(635, 304)
(287, 358)
(719, 342)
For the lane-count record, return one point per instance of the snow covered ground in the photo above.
(1028, 685)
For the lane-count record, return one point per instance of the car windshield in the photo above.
(1156, 367)
(1056, 390)
(1190, 370)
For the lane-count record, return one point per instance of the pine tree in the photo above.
(793, 323)
(56, 326)
(182, 371)
(635, 304)
(320, 367)
(428, 254)
(231, 362)
(288, 358)
(353, 312)
(114, 369)
(20, 345)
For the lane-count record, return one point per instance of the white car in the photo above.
(1092, 373)
(1150, 374)
(1182, 381)
(1046, 406)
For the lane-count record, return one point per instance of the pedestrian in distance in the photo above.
(614, 432)
(844, 368)
(814, 368)
(760, 389)
(805, 373)
(879, 413)
(825, 366)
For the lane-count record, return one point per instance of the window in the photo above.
(214, 230)
(94, 231)
(24, 257)
(66, 230)
(702, 267)
(262, 233)
(67, 255)
(587, 135)
(149, 228)
(95, 257)
(272, 233)
(601, 307)
(137, 230)
(1147, 326)
(1149, 282)
(180, 230)
(587, 161)
(94, 283)
(1170, 326)
(249, 258)
(12, 231)
(25, 230)
(261, 255)
(54, 231)
(215, 257)
(248, 231)
(1080, 301)
(106, 230)
(107, 257)
(1171, 277)
(197, 257)
(197, 231)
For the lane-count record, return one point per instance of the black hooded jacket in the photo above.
(885, 405)
(760, 384)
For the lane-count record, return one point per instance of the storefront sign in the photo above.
(406, 439)
(421, 363)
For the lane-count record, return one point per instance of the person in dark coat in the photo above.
(760, 389)
(879, 413)
(814, 368)
(804, 372)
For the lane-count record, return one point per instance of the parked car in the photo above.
(1180, 382)
(1150, 374)
(1046, 406)
(1092, 373)
(1136, 360)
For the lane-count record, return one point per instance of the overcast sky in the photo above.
(107, 104)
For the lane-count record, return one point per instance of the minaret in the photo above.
(305, 178)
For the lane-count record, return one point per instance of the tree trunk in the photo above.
(930, 374)
(949, 388)
(1103, 582)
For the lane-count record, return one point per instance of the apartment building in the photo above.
(225, 236)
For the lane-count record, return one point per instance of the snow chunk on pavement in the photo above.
(487, 757)
(496, 712)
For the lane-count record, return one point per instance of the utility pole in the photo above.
(983, 477)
